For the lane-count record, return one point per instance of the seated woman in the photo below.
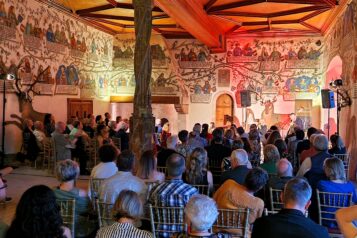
(67, 174)
(271, 156)
(338, 147)
(37, 215)
(147, 168)
(334, 170)
(29, 141)
(107, 167)
(103, 136)
(127, 209)
(200, 214)
(197, 173)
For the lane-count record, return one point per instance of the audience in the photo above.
(305, 144)
(345, 219)
(29, 141)
(184, 148)
(271, 156)
(124, 179)
(282, 148)
(107, 118)
(291, 221)
(239, 167)
(127, 209)
(67, 172)
(107, 167)
(79, 140)
(204, 133)
(335, 172)
(99, 120)
(196, 140)
(292, 145)
(272, 137)
(232, 195)
(37, 215)
(124, 137)
(165, 152)
(103, 135)
(226, 163)
(147, 168)
(228, 138)
(284, 174)
(61, 142)
(165, 134)
(197, 173)
(173, 192)
(337, 145)
(39, 134)
(49, 124)
(217, 151)
(309, 152)
(254, 141)
(200, 214)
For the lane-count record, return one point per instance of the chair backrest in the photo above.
(346, 162)
(202, 189)
(105, 215)
(276, 203)
(236, 219)
(328, 203)
(95, 184)
(162, 170)
(167, 220)
(68, 210)
(117, 142)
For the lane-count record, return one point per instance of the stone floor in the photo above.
(23, 178)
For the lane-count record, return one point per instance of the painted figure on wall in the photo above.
(27, 66)
(73, 42)
(50, 36)
(275, 55)
(61, 76)
(37, 31)
(202, 56)
(63, 37)
(47, 76)
(57, 35)
(93, 47)
(192, 55)
(83, 47)
(264, 56)
(292, 54)
(197, 88)
(247, 50)
(302, 53)
(237, 51)
(183, 55)
(206, 87)
(28, 28)
(72, 75)
(2, 10)
(160, 81)
(11, 17)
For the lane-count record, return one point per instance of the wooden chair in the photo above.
(346, 162)
(216, 169)
(202, 189)
(276, 203)
(327, 204)
(117, 142)
(53, 157)
(68, 210)
(162, 170)
(47, 153)
(104, 211)
(236, 220)
(167, 220)
(91, 149)
(95, 184)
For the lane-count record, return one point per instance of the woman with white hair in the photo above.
(200, 214)
(67, 174)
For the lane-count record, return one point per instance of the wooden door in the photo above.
(224, 107)
(79, 108)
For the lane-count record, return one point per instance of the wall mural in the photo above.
(74, 55)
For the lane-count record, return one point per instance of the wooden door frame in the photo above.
(70, 100)
(215, 104)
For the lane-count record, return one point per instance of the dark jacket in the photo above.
(237, 174)
(288, 223)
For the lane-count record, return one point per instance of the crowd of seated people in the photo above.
(237, 167)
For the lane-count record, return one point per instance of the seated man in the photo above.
(124, 179)
(232, 195)
(39, 134)
(291, 221)
(239, 169)
(285, 173)
(174, 192)
(164, 153)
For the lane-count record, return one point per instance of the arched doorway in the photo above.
(334, 71)
(224, 107)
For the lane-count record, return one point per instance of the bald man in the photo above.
(285, 173)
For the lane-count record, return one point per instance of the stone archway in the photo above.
(224, 107)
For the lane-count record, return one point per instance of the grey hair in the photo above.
(67, 170)
(240, 156)
(271, 153)
(334, 169)
(297, 191)
(128, 205)
(320, 142)
(58, 124)
(172, 141)
(284, 168)
(201, 211)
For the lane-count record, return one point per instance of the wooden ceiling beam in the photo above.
(111, 5)
(106, 22)
(209, 5)
(157, 26)
(233, 29)
(101, 26)
(163, 16)
(234, 5)
(315, 29)
(105, 16)
(270, 22)
(312, 2)
(298, 10)
(239, 14)
(176, 35)
(313, 14)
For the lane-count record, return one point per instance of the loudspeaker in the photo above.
(245, 99)
(328, 98)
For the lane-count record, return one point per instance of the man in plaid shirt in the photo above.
(174, 192)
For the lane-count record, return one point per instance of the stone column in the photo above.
(142, 121)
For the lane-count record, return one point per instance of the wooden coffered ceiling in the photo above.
(210, 20)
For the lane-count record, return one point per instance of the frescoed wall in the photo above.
(341, 43)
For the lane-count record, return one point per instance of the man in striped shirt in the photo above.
(174, 192)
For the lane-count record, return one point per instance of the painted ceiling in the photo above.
(209, 20)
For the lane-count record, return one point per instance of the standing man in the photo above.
(296, 122)
(107, 118)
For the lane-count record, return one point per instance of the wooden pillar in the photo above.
(142, 121)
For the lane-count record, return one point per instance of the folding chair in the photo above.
(276, 203)
(105, 215)
(233, 221)
(68, 210)
(346, 162)
(202, 189)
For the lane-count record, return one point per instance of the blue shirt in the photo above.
(332, 187)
